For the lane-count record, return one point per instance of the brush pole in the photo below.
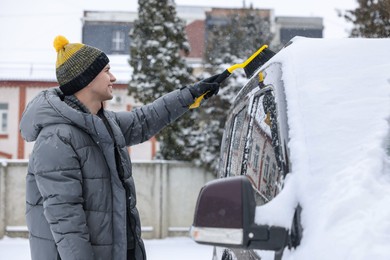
(224, 75)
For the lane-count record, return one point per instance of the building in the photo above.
(108, 31)
(219, 16)
(287, 27)
(20, 83)
(17, 93)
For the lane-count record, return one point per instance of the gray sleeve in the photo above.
(142, 123)
(59, 180)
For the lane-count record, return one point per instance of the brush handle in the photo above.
(224, 75)
(197, 101)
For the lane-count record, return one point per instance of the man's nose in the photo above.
(112, 79)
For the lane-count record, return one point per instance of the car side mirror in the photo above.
(224, 216)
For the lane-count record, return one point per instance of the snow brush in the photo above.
(259, 58)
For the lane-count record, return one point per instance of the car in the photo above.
(294, 136)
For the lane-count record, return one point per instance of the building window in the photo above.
(118, 41)
(256, 157)
(3, 118)
(266, 168)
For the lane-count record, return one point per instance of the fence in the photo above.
(166, 196)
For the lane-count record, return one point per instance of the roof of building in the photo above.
(306, 22)
(45, 70)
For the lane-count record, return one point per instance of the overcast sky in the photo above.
(27, 27)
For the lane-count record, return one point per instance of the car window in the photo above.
(237, 140)
(234, 143)
(255, 137)
(263, 146)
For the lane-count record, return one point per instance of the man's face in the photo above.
(101, 86)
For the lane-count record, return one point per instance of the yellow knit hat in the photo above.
(77, 64)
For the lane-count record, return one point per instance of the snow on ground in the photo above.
(157, 249)
(338, 101)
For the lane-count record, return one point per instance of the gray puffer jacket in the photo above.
(75, 200)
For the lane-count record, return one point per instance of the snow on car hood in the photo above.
(338, 102)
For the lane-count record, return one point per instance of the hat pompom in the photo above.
(60, 42)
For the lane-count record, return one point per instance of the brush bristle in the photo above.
(258, 61)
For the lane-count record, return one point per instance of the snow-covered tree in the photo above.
(240, 36)
(157, 40)
(233, 42)
(371, 19)
(230, 43)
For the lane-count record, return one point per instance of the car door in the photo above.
(255, 140)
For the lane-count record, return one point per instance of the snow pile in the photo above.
(338, 98)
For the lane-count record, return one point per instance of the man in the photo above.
(80, 196)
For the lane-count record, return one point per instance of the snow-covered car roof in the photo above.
(338, 102)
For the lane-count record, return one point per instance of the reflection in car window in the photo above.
(256, 157)
(252, 145)
(263, 146)
(248, 145)
(236, 136)
(270, 109)
(266, 168)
